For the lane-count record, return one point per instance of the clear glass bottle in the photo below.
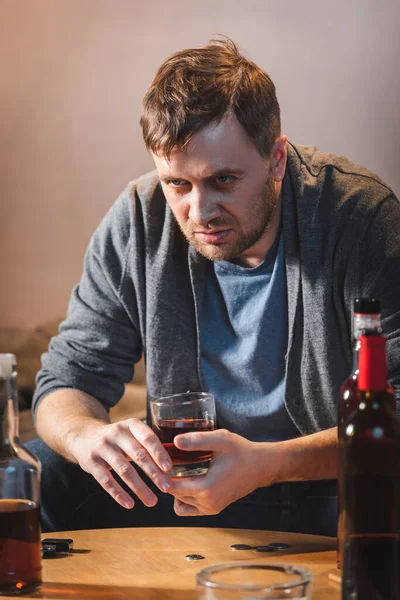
(20, 545)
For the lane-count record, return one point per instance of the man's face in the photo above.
(222, 192)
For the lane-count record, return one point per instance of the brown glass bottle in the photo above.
(20, 546)
(367, 318)
(369, 481)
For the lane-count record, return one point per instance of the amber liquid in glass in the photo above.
(167, 429)
(20, 547)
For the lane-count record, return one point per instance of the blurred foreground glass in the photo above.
(244, 580)
(183, 413)
(20, 546)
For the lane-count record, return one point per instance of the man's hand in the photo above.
(99, 447)
(237, 468)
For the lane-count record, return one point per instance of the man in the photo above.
(233, 269)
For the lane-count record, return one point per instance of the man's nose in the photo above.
(202, 207)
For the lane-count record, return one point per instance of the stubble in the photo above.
(262, 212)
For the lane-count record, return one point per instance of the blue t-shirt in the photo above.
(243, 343)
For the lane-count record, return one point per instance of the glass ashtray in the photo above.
(251, 580)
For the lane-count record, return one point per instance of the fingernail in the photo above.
(165, 486)
(151, 500)
(183, 441)
(166, 464)
(129, 503)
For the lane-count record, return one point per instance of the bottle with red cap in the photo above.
(367, 318)
(369, 482)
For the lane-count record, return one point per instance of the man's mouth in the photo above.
(212, 237)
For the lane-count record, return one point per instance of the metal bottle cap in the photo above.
(8, 365)
(367, 306)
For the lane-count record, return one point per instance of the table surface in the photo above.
(150, 563)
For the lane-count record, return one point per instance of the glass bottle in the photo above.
(20, 545)
(366, 317)
(369, 479)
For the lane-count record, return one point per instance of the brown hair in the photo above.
(194, 87)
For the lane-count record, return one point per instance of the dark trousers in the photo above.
(72, 499)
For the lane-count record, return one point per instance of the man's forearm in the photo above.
(308, 457)
(65, 413)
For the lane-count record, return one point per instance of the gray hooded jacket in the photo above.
(141, 290)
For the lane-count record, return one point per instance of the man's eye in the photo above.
(224, 179)
(177, 182)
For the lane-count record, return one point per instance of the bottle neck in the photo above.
(8, 409)
(371, 324)
(372, 365)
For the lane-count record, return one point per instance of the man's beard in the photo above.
(262, 213)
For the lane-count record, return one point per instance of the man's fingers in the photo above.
(149, 440)
(140, 456)
(188, 487)
(116, 461)
(116, 447)
(103, 476)
(205, 440)
(186, 510)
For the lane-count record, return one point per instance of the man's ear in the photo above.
(278, 158)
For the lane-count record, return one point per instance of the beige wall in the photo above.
(73, 73)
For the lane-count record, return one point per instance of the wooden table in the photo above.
(149, 563)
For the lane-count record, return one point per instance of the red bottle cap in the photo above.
(372, 363)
